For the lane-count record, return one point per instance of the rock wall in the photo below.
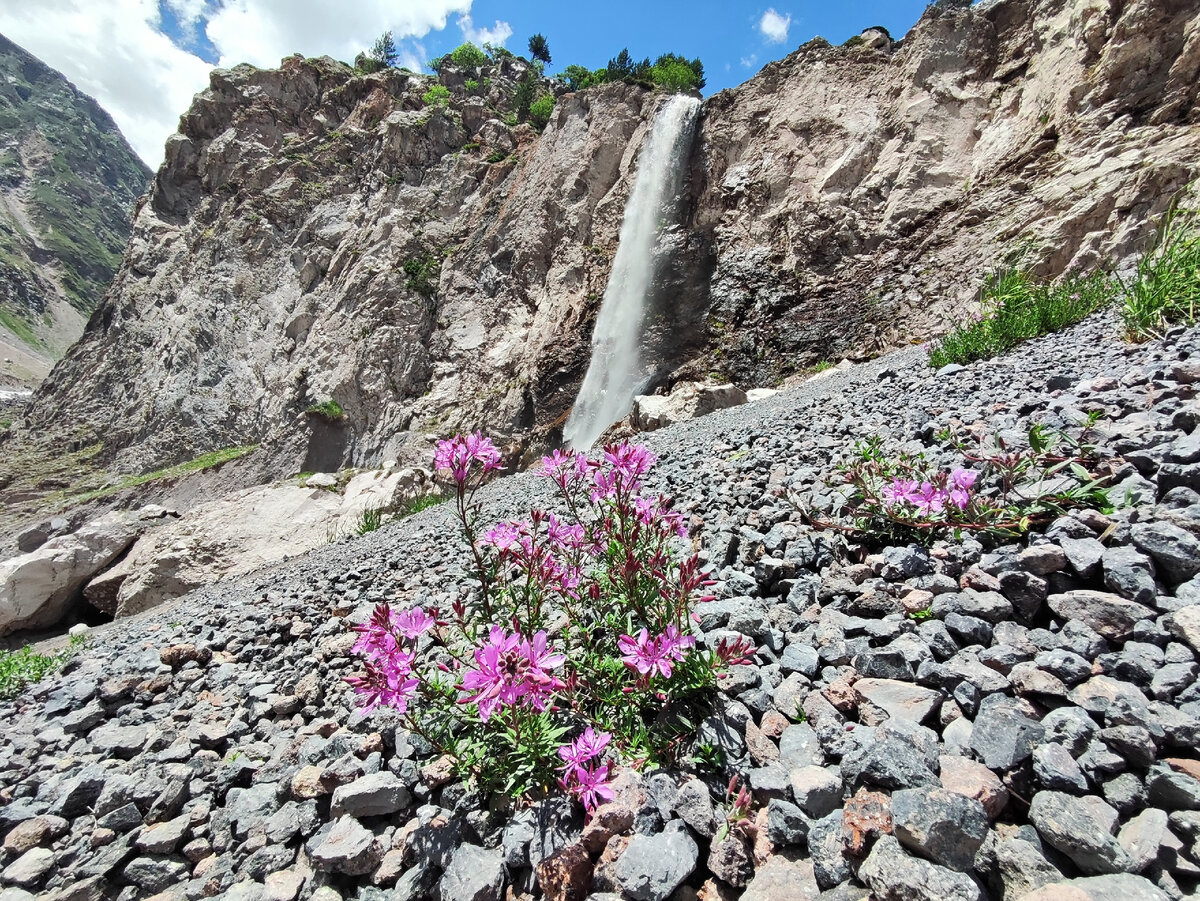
(315, 234)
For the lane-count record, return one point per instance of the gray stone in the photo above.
(1172, 790)
(1185, 625)
(887, 762)
(1084, 555)
(1019, 864)
(1111, 616)
(1074, 828)
(653, 866)
(1055, 769)
(474, 874)
(786, 823)
(1129, 573)
(1142, 836)
(830, 864)
(372, 795)
(1176, 552)
(940, 825)
(893, 875)
(1115, 887)
(694, 806)
(30, 869)
(800, 658)
(246, 806)
(799, 746)
(348, 848)
(816, 790)
(162, 838)
(902, 700)
(154, 874)
(1003, 736)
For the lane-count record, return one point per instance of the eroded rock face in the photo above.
(315, 234)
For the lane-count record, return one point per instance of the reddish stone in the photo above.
(566, 875)
(841, 694)
(1185, 766)
(865, 817)
(773, 723)
(762, 749)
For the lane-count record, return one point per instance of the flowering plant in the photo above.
(575, 648)
(1002, 491)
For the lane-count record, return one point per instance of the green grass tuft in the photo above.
(328, 409)
(1016, 308)
(205, 461)
(1165, 290)
(25, 667)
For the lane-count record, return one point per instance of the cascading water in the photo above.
(615, 376)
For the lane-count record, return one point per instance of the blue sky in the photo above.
(143, 60)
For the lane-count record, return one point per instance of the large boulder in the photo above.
(37, 589)
(687, 401)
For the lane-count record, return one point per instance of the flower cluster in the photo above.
(598, 571)
(388, 642)
(932, 497)
(512, 670)
(456, 455)
(582, 775)
(650, 655)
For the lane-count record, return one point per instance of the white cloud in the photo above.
(749, 61)
(496, 35)
(115, 50)
(774, 27)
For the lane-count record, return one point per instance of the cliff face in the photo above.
(315, 234)
(856, 196)
(68, 182)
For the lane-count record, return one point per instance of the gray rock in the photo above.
(162, 838)
(830, 865)
(1055, 769)
(887, 762)
(517, 835)
(474, 874)
(816, 790)
(893, 875)
(348, 848)
(800, 658)
(1142, 836)
(1084, 555)
(653, 866)
(154, 874)
(1018, 864)
(1077, 829)
(1176, 552)
(786, 823)
(694, 806)
(246, 806)
(1115, 887)
(30, 869)
(1172, 790)
(799, 746)
(940, 825)
(372, 795)
(1003, 736)
(1111, 616)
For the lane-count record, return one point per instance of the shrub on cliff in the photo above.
(540, 111)
(437, 95)
(468, 56)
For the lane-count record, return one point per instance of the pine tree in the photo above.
(539, 49)
(383, 51)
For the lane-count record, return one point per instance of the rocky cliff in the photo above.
(318, 235)
(68, 182)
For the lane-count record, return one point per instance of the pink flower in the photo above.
(413, 623)
(929, 499)
(673, 644)
(455, 455)
(590, 786)
(961, 480)
(900, 490)
(565, 468)
(510, 670)
(631, 460)
(567, 536)
(587, 746)
(504, 535)
(645, 654)
(383, 686)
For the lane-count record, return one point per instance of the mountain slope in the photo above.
(315, 234)
(68, 182)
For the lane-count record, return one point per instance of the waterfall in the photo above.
(615, 376)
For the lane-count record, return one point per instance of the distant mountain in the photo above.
(68, 183)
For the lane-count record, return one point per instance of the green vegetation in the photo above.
(329, 410)
(437, 95)
(19, 327)
(24, 667)
(1165, 289)
(468, 56)
(205, 461)
(369, 520)
(383, 51)
(416, 505)
(670, 72)
(539, 49)
(1015, 307)
(423, 273)
(540, 111)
